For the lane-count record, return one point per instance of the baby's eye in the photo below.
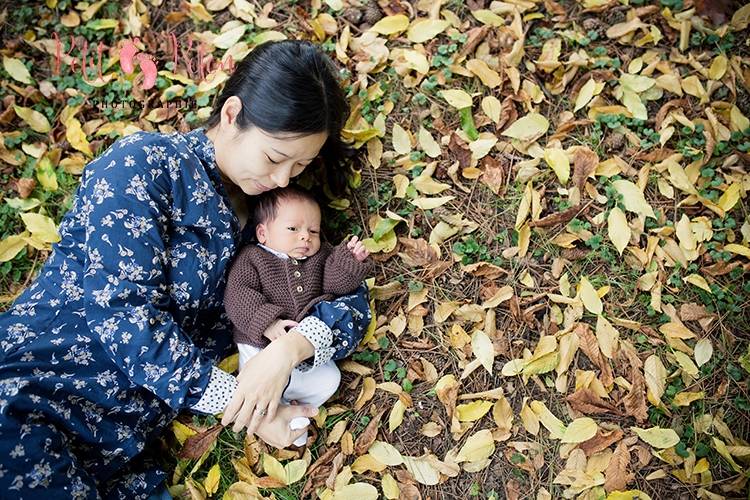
(292, 229)
(314, 231)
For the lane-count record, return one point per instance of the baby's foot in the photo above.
(146, 62)
(127, 52)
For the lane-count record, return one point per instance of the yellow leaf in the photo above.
(491, 107)
(658, 437)
(738, 249)
(703, 351)
(401, 140)
(721, 447)
(655, 374)
(396, 416)
(459, 99)
(391, 24)
(422, 30)
(428, 185)
(483, 349)
(529, 419)
(473, 411)
(587, 92)
(633, 103)
(730, 197)
(693, 86)
(553, 424)
(607, 336)
(45, 173)
(478, 447)
(374, 152)
(698, 281)
(37, 121)
(182, 432)
(431, 203)
(274, 468)
(514, 58)
(524, 239)
(17, 70)
(685, 398)
(686, 364)
(417, 61)
(556, 159)
(230, 364)
(590, 298)
(402, 184)
(485, 16)
(428, 143)
(41, 226)
(580, 430)
(633, 198)
(718, 68)
(356, 491)
(513, 367)
(502, 414)
(390, 487)
(294, 471)
(541, 364)
(528, 128)
(618, 229)
(12, 245)
(488, 76)
(422, 470)
(77, 137)
(335, 4)
(230, 35)
(385, 453)
(211, 484)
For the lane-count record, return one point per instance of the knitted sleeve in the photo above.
(343, 273)
(246, 306)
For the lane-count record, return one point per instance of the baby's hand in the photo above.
(357, 249)
(278, 328)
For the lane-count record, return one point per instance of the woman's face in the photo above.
(256, 160)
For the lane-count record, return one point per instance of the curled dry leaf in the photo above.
(616, 474)
(196, 445)
(368, 436)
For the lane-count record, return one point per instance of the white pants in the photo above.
(311, 388)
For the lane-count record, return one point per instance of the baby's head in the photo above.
(288, 220)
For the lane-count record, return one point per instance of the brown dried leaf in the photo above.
(508, 115)
(588, 402)
(616, 474)
(585, 162)
(269, 482)
(512, 490)
(461, 150)
(635, 401)
(555, 8)
(694, 312)
(590, 347)
(493, 175)
(475, 36)
(368, 436)
(197, 444)
(601, 441)
(408, 492)
(561, 217)
(419, 251)
(25, 186)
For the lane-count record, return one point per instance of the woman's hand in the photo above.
(277, 432)
(262, 381)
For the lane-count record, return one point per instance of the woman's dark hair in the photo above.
(290, 86)
(267, 203)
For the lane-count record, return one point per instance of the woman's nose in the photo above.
(281, 176)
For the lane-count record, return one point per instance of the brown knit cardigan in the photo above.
(263, 287)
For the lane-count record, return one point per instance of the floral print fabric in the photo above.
(123, 325)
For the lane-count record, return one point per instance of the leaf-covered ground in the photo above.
(554, 193)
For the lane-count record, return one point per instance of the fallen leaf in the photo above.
(657, 437)
(616, 474)
(477, 447)
(587, 402)
(580, 430)
(197, 444)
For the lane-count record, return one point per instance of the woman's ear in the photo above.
(230, 110)
(260, 233)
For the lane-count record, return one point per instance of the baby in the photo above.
(292, 281)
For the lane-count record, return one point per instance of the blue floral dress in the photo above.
(123, 325)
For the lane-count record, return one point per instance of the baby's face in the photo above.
(295, 231)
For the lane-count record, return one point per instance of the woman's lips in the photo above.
(261, 186)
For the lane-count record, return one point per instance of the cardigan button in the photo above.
(297, 274)
(294, 261)
(299, 289)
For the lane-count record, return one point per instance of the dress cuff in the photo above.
(218, 393)
(321, 337)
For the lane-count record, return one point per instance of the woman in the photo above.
(124, 325)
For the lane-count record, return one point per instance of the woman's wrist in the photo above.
(294, 346)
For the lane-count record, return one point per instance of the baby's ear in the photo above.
(260, 233)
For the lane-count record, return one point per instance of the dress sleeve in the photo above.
(246, 306)
(124, 203)
(343, 273)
